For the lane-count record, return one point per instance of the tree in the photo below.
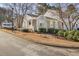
(2, 15)
(42, 8)
(20, 10)
(71, 9)
(59, 10)
(71, 15)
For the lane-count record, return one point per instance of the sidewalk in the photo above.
(45, 39)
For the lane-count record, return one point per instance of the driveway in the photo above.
(13, 46)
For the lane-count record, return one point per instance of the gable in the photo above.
(51, 14)
(41, 17)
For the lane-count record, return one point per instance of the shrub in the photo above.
(66, 33)
(50, 30)
(69, 36)
(72, 32)
(42, 30)
(35, 30)
(73, 35)
(25, 30)
(53, 31)
(60, 33)
(76, 33)
(56, 31)
(76, 38)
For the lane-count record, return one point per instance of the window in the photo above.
(40, 24)
(29, 22)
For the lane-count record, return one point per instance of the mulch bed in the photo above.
(45, 39)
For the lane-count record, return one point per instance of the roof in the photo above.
(41, 17)
(30, 17)
(52, 14)
(33, 15)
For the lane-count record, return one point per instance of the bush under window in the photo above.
(25, 30)
(42, 30)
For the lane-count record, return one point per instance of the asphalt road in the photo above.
(13, 46)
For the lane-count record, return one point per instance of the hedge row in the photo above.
(73, 34)
(70, 35)
(50, 30)
(24, 30)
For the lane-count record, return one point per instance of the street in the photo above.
(13, 46)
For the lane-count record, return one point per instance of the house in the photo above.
(29, 23)
(41, 22)
(54, 20)
(50, 19)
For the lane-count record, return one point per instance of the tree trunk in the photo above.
(61, 16)
(74, 24)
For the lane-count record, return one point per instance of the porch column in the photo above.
(32, 25)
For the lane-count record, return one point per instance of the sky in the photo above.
(63, 5)
(1, 5)
(52, 4)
